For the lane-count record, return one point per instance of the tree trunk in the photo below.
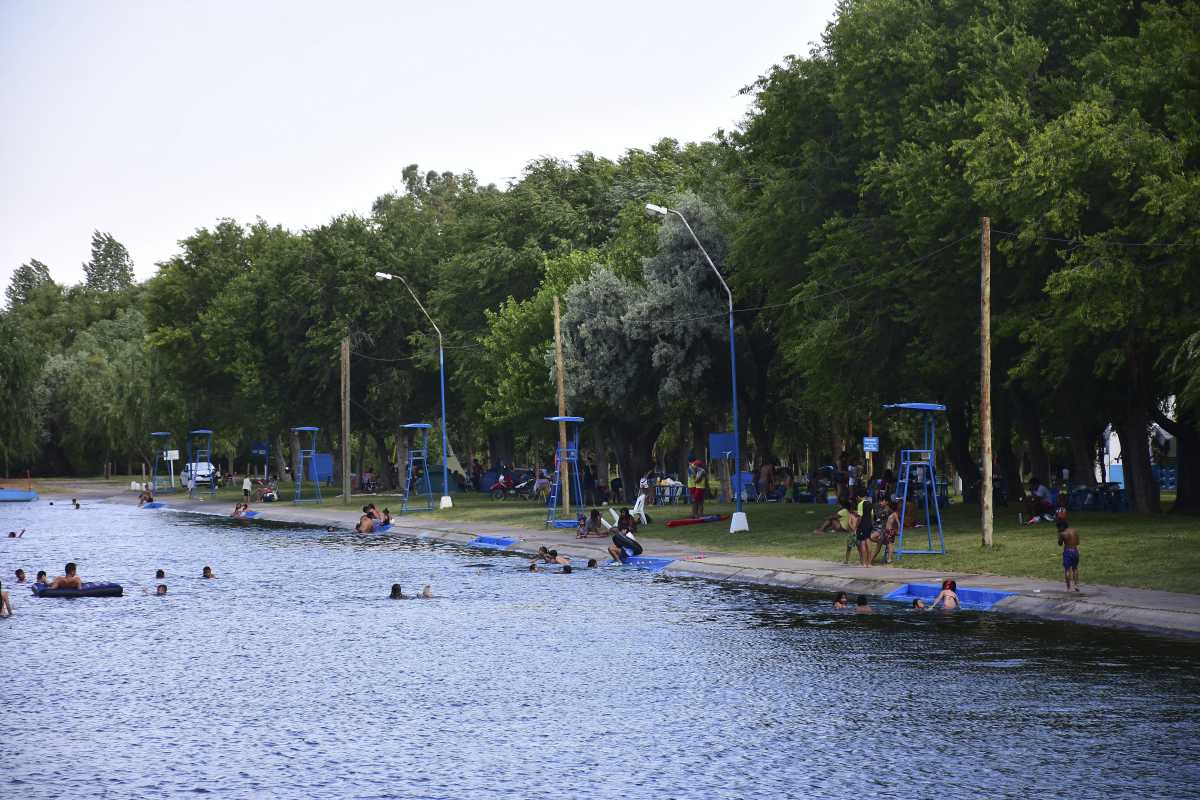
(959, 416)
(1030, 419)
(280, 458)
(1134, 430)
(297, 466)
(1186, 430)
(1083, 455)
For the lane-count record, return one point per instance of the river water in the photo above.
(291, 675)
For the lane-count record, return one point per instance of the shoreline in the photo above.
(1152, 611)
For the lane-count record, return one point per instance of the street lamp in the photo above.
(446, 501)
(739, 523)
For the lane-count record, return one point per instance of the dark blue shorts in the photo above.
(1070, 558)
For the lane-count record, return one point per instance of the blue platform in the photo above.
(155, 504)
(971, 599)
(492, 542)
(649, 563)
(17, 496)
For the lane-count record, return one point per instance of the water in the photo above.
(291, 676)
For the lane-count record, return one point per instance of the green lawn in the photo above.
(1153, 552)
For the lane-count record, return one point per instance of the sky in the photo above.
(149, 120)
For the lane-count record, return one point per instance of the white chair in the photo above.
(639, 510)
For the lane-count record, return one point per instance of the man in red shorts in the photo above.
(697, 484)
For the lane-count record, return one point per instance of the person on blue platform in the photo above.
(624, 542)
(948, 597)
(68, 581)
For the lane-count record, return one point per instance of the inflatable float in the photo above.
(85, 590)
(675, 523)
(154, 504)
(17, 496)
(630, 545)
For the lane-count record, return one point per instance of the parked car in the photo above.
(205, 472)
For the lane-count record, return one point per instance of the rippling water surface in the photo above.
(290, 675)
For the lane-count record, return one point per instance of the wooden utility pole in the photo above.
(345, 420)
(564, 483)
(985, 378)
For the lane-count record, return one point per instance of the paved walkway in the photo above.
(1162, 612)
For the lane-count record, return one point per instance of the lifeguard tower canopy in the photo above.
(917, 480)
(416, 471)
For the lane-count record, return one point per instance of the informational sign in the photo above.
(170, 455)
(259, 450)
(870, 444)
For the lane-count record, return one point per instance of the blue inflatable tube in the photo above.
(86, 590)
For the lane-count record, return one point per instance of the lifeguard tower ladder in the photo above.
(416, 471)
(160, 443)
(307, 467)
(565, 458)
(917, 471)
(200, 452)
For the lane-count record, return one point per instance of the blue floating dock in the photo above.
(17, 496)
(383, 528)
(155, 504)
(649, 563)
(971, 599)
(249, 514)
(492, 542)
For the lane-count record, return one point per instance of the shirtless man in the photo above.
(68, 581)
(1068, 538)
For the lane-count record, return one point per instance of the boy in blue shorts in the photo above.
(1068, 539)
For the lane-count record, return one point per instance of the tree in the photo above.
(26, 280)
(110, 268)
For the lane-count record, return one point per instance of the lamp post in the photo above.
(446, 501)
(739, 523)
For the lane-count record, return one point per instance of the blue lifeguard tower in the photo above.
(568, 458)
(164, 464)
(917, 479)
(200, 467)
(416, 472)
(308, 466)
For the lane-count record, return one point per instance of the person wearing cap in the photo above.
(697, 483)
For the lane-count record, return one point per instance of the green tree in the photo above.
(26, 280)
(110, 268)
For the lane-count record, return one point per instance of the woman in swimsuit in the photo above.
(948, 597)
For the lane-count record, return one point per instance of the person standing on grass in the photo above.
(1068, 539)
(247, 485)
(697, 483)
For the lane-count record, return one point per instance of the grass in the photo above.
(1138, 550)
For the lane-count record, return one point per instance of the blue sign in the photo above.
(870, 444)
(259, 449)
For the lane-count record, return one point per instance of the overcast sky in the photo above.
(151, 119)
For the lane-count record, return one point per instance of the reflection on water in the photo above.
(291, 675)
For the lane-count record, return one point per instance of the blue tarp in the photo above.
(972, 599)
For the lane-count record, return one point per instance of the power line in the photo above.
(1086, 242)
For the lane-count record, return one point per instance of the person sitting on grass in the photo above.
(1068, 539)
(1037, 503)
(595, 525)
(947, 597)
(842, 522)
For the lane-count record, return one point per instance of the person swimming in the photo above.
(862, 606)
(947, 597)
(20, 573)
(159, 574)
(918, 604)
(207, 573)
(566, 570)
(68, 581)
(366, 524)
(841, 601)
(5, 604)
(533, 566)
(162, 589)
(15, 535)
(426, 592)
(592, 563)
(41, 577)
(397, 593)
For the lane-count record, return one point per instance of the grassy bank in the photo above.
(1152, 552)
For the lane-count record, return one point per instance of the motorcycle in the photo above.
(505, 488)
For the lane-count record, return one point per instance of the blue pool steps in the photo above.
(492, 542)
(971, 599)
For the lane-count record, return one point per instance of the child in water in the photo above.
(947, 597)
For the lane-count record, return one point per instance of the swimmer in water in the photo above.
(366, 524)
(41, 577)
(15, 535)
(159, 590)
(533, 566)
(20, 576)
(862, 607)
(426, 592)
(397, 593)
(207, 573)
(330, 529)
(566, 570)
(918, 604)
(159, 574)
(68, 581)
(592, 563)
(555, 558)
(5, 604)
(841, 602)
(947, 597)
